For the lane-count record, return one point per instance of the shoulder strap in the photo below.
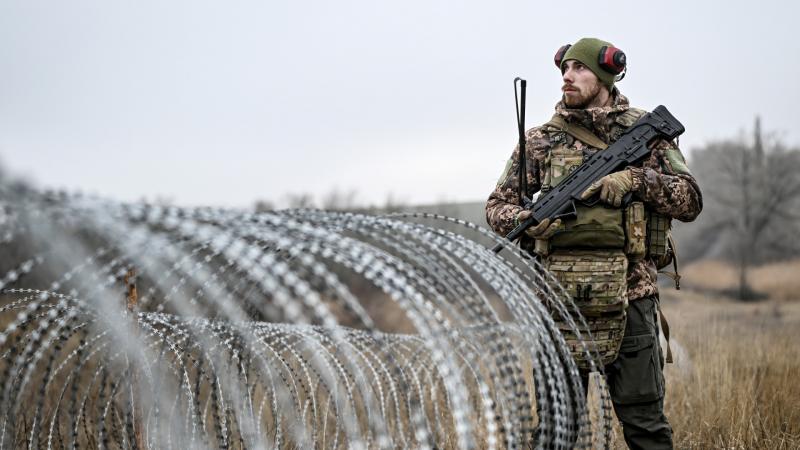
(577, 131)
(677, 277)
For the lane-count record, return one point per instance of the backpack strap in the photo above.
(577, 131)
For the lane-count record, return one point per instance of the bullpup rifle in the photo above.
(629, 149)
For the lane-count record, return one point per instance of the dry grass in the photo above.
(734, 384)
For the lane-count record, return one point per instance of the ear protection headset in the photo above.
(560, 55)
(611, 59)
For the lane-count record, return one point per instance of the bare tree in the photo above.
(394, 204)
(263, 206)
(751, 201)
(337, 200)
(301, 200)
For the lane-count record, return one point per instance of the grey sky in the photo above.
(223, 103)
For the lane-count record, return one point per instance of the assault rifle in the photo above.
(629, 149)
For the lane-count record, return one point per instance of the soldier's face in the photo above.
(581, 86)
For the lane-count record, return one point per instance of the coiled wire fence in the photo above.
(143, 326)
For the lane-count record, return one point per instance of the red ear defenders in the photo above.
(611, 59)
(560, 55)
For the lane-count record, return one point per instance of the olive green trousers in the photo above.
(636, 380)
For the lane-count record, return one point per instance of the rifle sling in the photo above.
(665, 330)
(577, 131)
(676, 276)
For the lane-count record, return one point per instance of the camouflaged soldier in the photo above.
(608, 256)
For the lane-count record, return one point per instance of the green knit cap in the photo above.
(587, 51)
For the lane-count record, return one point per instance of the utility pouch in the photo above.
(593, 227)
(658, 239)
(596, 281)
(661, 246)
(563, 161)
(560, 162)
(635, 231)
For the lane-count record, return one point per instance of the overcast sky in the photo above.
(222, 103)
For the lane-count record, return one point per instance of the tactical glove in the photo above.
(543, 230)
(612, 187)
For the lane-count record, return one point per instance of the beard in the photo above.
(582, 98)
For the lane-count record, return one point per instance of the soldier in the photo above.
(609, 254)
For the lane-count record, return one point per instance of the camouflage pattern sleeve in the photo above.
(503, 205)
(665, 184)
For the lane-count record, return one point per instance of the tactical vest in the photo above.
(589, 254)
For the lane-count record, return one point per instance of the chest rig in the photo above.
(589, 255)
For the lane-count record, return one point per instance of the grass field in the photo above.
(734, 384)
(778, 281)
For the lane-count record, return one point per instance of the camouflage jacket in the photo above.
(662, 182)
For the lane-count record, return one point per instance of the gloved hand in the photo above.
(612, 187)
(543, 230)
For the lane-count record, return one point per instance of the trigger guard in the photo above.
(592, 201)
